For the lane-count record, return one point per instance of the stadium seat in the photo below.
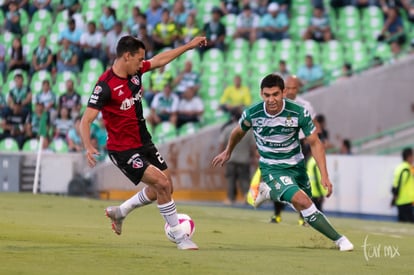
(286, 50)
(24, 18)
(9, 145)
(30, 41)
(59, 146)
(372, 22)
(93, 65)
(193, 56)
(356, 53)
(310, 47)
(188, 128)
(165, 131)
(298, 25)
(349, 26)
(37, 78)
(41, 20)
(60, 84)
(30, 145)
(332, 56)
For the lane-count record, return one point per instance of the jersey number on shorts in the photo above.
(159, 157)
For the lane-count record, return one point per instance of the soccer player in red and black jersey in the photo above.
(118, 94)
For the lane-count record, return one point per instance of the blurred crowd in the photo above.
(178, 95)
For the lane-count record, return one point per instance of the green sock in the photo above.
(318, 221)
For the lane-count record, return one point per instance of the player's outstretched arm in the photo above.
(318, 152)
(85, 130)
(166, 57)
(236, 135)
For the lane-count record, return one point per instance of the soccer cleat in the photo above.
(275, 219)
(186, 244)
(344, 244)
(263, 195)
(114, 213)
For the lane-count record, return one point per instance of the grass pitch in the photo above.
(41, 234)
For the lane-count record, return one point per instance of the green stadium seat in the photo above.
(356, 53)
(165, 131)
(298, 25)
(31, 145)
(383, 50)
(310, 47)
(372, 22)
(24, 18)
(93, 65)
(188, 129)
(60, 83)
(37, 78)
(59, 146)
(301, 7)
(9, 145)
(332, 57)
(193, 56)
(30, 41)
(286, 50)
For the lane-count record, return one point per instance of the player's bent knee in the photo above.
(301, 201)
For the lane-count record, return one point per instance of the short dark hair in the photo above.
(406, 153)
(129, 44)
(272, 80)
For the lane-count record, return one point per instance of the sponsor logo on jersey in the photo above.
(97, 90)
(129, 102)
(120, 93)
(135, 80)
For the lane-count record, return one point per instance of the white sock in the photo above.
(309, 211)
(169, 212)
(138, 200)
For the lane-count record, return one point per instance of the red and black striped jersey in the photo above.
(119, 100)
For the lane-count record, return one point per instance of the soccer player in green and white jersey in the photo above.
(276, 123)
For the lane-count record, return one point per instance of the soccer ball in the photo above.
(187, 224)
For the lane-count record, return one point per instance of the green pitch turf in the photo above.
(42, 234)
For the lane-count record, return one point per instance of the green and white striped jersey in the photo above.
(277, 136)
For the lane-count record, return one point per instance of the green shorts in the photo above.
(285, 182)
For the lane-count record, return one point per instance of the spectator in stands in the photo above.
(403, 187)
(310, 74)
(3, 104)
(346, 71)
(393, 29)
(74, 139)
(112, 39)
(179, 14)
(62, 124)
(408, 6)
(12, 19)
(214, 31)
(2, 60)
(247, 23)
(107, 20)
(319, 26)
(37, 5)
(133, 19)
(274, 24)
(72, 34)
(164, 107)
(396, 51)
(14, 124)
(283, 70)
(190, 107)
(17, 56)
(364, 3)
(186, 78)
(158, 79)
(90, 44)
(72, 6)
(147, 40)
(47, 98)
(70, 100)
(346, 147)
(237, 171)
(140, 21)
(154, 13)
(33, 125)
(42, 57)
(323, 133)
(19, 94)
(229, 6)
(165, 32)
(235, 97)
(189, 30)
(21, 4)
(67, 58)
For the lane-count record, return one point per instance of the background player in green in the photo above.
(276, 123)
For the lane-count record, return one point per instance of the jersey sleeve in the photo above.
(146, 66)
(245, 121)
(100, 96)
(306, 123)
